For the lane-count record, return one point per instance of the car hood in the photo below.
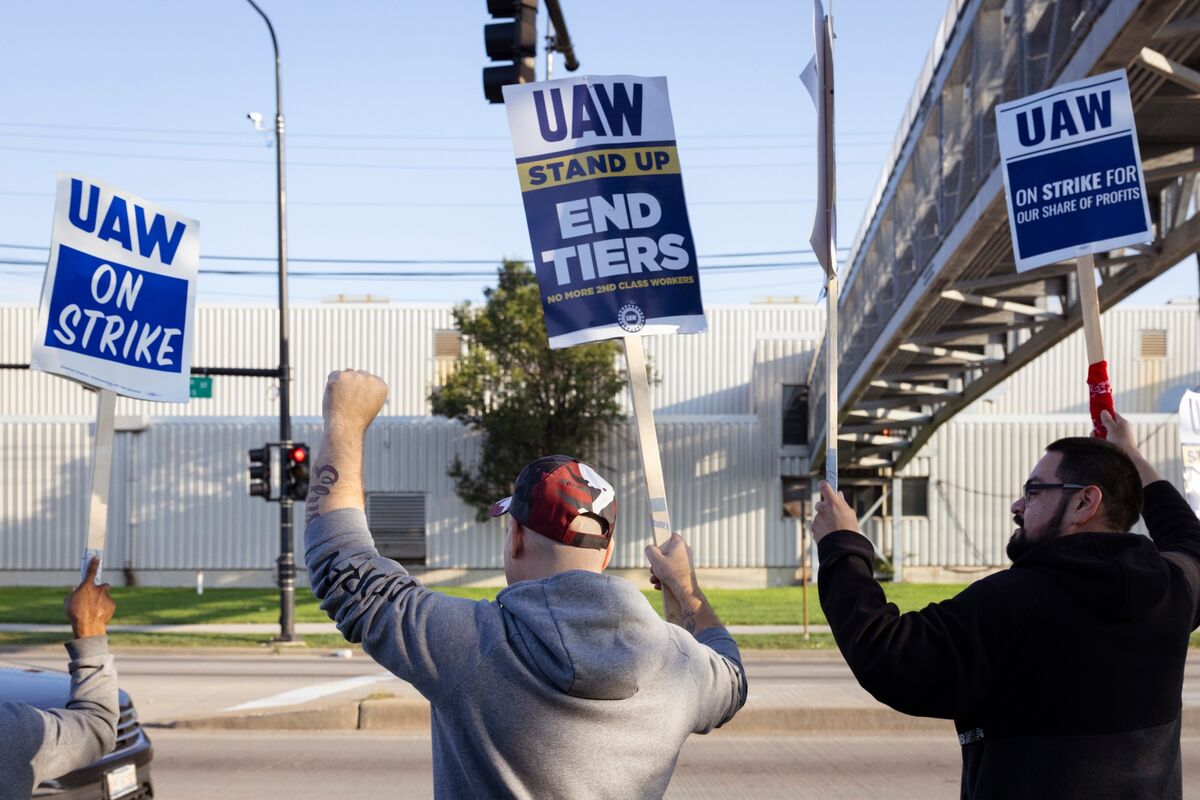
(40, 688)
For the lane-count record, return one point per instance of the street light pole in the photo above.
(286, 564)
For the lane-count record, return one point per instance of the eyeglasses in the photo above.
(1030, 486)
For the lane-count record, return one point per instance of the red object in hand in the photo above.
(1100, 396)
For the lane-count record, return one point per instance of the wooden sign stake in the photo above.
(639, 389)
(102, 451)
(1089, 306)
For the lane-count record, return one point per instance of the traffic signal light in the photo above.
(514, 40)
(260, 472)
(297, 472)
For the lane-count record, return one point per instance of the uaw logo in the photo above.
(631, 318)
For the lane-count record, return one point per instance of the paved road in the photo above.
(231, 766)
(300, 766)
(171, 685)
(181, 684)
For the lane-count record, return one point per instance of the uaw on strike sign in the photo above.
(603, 194)
(116, 308)
(1072, 171)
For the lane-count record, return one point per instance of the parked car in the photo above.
(123, 774)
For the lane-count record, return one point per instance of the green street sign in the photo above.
(201, 386)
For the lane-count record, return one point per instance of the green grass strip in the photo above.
(163, 606)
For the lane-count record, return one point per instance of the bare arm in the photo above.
(672, 566)
(352, 401)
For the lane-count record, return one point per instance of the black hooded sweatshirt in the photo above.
(1063, 674)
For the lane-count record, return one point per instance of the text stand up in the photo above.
(643, 414)
(102, 452)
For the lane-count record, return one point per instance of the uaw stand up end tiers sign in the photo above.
(116, 311)
(603, 195)
(612, 246)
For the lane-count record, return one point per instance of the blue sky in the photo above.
(394, 154)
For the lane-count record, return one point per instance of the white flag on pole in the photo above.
(818, 79)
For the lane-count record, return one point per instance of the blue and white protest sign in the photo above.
(603, 194)
(1072, 171)
(116, 308)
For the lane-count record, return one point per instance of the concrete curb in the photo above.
(412, 716)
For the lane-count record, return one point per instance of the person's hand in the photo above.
(89, 608)
(1120, 432)
(833, 513)
(671, 565)
(353, 398)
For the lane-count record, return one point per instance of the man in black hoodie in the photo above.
(1063, 674)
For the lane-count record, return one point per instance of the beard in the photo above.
(1021, 541)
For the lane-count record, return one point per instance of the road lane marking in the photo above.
(307, 693)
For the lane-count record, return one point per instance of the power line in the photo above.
(232, 272)
(410, 167)
(378, 148)
(302, 260)
(402, 137)
(424, 204)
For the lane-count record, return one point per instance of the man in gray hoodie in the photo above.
(568, 685)
(37, 745)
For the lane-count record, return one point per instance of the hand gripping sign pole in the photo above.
(818, 79)
(608, 224)
(116, 312)
(1074, 187)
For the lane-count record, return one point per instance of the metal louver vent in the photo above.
(397, 521)
(447, 344)
(1153, 343)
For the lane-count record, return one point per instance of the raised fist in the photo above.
(353, 398)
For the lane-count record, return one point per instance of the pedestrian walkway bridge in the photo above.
(933, 314)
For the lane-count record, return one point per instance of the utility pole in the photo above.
(286, 564)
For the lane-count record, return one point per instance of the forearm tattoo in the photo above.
(324, 477)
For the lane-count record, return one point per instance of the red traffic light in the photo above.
(299, 454)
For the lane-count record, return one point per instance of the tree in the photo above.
(526, 399)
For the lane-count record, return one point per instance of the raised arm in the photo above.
(1170, 521)
(422, 636)
(717, 666)
(937, 662)
(55, 742)
(352, 401)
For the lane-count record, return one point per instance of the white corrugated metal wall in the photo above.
(180, 501)
(700, 374)
(1140, 384)
(179, 486)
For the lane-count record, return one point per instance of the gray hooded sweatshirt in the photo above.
(37, 745)
(565, 687)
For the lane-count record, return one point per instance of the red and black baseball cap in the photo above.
(552, 491)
